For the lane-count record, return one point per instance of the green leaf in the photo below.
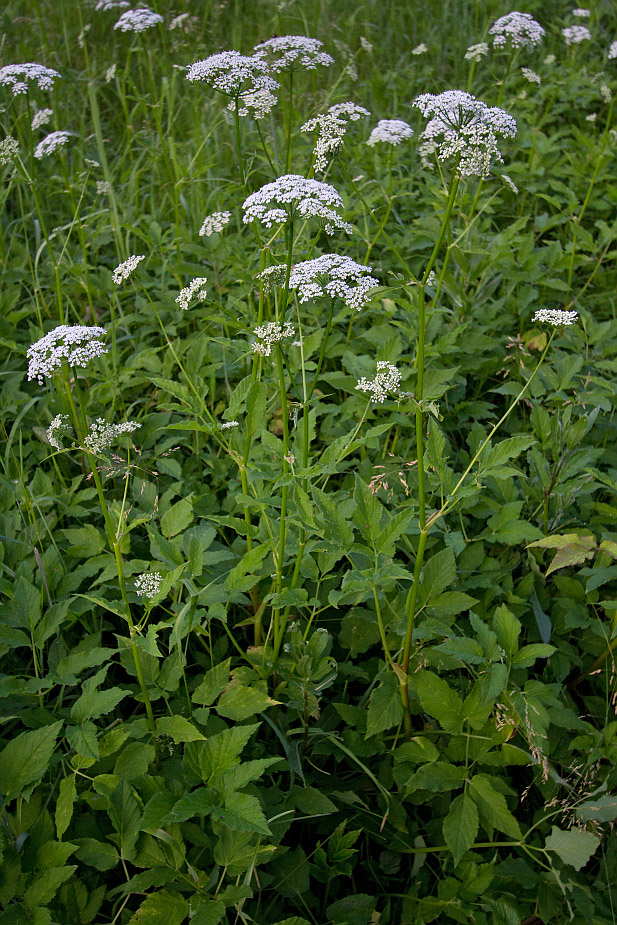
(99, 854)
(241, 701)
(200, 802)
(64, 805)
(219, 753)
(418, 750)
(494, 459)
(214, 683)
(460, 826)
(463, 649)
(242, 813)
(172, 388)
(439, 571)
(239, 776)
(93, 703)
(437, 776)
(83, 739)
(256, 408)
(355, 909)
(84, 542)
(313, 802)
(134, 760)
(572, 549)
(603, 809)
(385, 707)
(25, 759)
(178, 728)
(43, 887)
(161, 908)
(26, 605)
(208, 912)
(573, 847)
(177, 518)
(125, 818)
(526, 656)
(507, 629)
(492, 805)
(439, 700)
(249, 562)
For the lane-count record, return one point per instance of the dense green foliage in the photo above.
(364, 691)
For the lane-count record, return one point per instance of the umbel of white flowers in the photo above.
(388, 379)
(18, 76)
(74, 345)
(213, 223)
(269, 334)
(138, 20)
(465, 128)
(332, 126)
(291, 195)
(245, 79)
(289, 52)
(50, 143)
(519, 30)
(390, 131)
(329, 275)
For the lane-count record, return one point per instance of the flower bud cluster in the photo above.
(574, 35)
(476, 52)
(148, 584)
(388, 379)
(124, 270)
(289, 52)
(41, 118)
(17, 77)
(9, 149)
(280, 200)
(73, 344)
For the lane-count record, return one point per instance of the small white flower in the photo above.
(148, 584)
(332, 126)
(365, 44)
(519, 29)
(392, 131)
(574, 35)
(531, 76)
(124, 270)
(612, 52)
(288, 52)
(138, 20)
(213, 223)
(329, 276)
(388, 379)
(291, 194)
(9, 149)
(17, 77)
(103, 188)
(72, 344)
(591, 117)
(259, 102)
(476, 52)
(229, 424)
(581, 13)
(110, 73)
(50, 143)
(41, 118)
(195, 290)
(184, 20)
(93, 165)
(58, 428)
(555, 316)
(269, 334)
(420, 49)
(101, 435)
(606, 93)
(550, 59)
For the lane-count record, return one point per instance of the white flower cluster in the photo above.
(329, 275)
(574, 35)
(520, 29)
(138, 20)
(73, 344)
(9, 149)
(365, 44)
(148, 584)
(581, 13)
(606, 93)
(124, 270)
(388, 379)
(196, 290)
(392, 131)
(555, 316)
(476, 52)
(332, 126)
(288, 52)
(292, 194)
(17, 76)
(104, 5)
(464, 127)
(269, 334)
(229, 424)
(612, 52)
(49, 144)
(531, 76)
(258, 102)
(41, 118)
(420, 49)
(101, 434)
(233, 74)
(58, 428)
(214, 222)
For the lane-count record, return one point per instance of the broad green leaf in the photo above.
(25, 759)
(602, 809)
(64, 805)
(369, 510)
(526, 656)
(94, 703)
(219, 753)
(208, 912)
(463, 649)
(313, 802)
(255, 419)
(44, 886)
(475, 708)
(84, 542)
(200, 802)
(545, 627)
(385, 707)
(26, 605)
(83, 739)
(573, 846)
(507, 629)
(177, 518)
(242, 813)
(492, 460)
(247, 565)
(134, 760)
(241, 701)
(214, 683)
(439, 700)
(439, 571)
(178, 728)
(239, 776)
(172, 387)
(161, 908)
(460, 827)
(98, 854)
(125, 818)
(572, 549)
(355, 909)
(418, 750)
(492, 806)
(437, 776)
(69, 667)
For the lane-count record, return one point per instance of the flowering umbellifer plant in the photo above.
(519, 30)
(289, 52)
(280, 201)
(73, 345)
(329, 275)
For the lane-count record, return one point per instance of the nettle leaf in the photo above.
(25, 760)
(242, 813)
(572, 549)
(385, 708)
(574, 846)
(219, 753)
(214, 683)
(492, 805)
(439, 700)
(161, 908)
(240, 702)
(460, 827)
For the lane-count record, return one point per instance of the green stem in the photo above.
(289, 121)
(238, 144)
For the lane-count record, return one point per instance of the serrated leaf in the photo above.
(208, 912)
(437, 776)
(439, 700)
(239, 776)
(219, 753)
(572, 549)
(313, 802)
(214, 683)
(200, 802)
(93, 703)
(125, 818)
(25, 759)
(172, 388)
(161, 908)
(249, 562)
(177, 518)
(44, 886)
(526, 656)
(460, 827)
(573, 847)
(385, 708)
(98, 854)
(178, 728)
(439, 571)
(492, 806)
(602, 809)
(507, 629)
(256, 408)
(83, 739)
(242, 813)
(64, 805)
(507, 449)
(241, 701)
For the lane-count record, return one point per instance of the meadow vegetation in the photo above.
(307, 510)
